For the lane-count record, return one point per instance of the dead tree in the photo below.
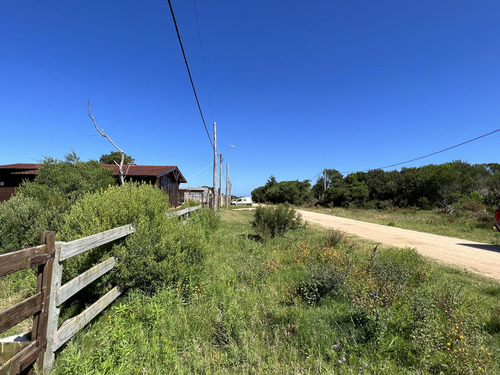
(121, 175)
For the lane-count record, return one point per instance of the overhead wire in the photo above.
(203, 59)
(422, 157)
(189, 71)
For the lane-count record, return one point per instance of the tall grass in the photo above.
(305, 303)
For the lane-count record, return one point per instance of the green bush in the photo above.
(22, 219)
(208, 220)
(160, 252)
(320, 281)
(270, 222)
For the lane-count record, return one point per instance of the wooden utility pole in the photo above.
(324, 180)
(214, 195)
(227, 186)
(220, 180)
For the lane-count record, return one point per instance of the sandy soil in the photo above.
(476, 257)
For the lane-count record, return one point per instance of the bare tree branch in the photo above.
(101, 132)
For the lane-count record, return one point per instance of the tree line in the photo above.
(425, 187)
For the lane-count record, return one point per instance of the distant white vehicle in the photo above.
(243, 201)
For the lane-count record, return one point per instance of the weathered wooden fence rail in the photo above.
(44, 305)
(35, 306)
(185, 211)
(58, 336)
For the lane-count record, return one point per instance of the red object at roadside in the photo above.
(497, 215)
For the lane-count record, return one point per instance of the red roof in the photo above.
(20, 166)
(142, 170)
(129, 170)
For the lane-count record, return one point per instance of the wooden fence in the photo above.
(44, 306)
(35, 306)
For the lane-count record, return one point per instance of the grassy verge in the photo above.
(15, 288)
(465, 225)
(305, 303)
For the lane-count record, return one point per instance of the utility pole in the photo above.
(324, 182)
(214, 195)
(227, 185)
(220, 180)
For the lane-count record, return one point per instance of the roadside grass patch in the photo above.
(388, 311)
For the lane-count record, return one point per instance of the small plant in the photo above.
(321, 281)
(333, 238)
(270, 222)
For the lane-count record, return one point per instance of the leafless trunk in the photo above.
(121, 175)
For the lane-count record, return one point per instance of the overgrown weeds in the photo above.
(300, 303)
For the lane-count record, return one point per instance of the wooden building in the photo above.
(166, 177)
(198, 194)
(12, 175)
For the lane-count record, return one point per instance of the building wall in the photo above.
(168, 184)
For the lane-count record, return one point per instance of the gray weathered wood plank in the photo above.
(71, 326)
(70, 249)
(53, 318)
(78, 283)
(20, 311)
(183, 211)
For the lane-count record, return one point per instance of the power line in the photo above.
(434, 153)
(203, 59)
(425, 156)
(189, 72)
(197, 173)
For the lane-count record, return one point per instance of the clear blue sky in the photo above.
(296, 86)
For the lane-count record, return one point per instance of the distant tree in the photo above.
(114, 157)
(358, 191)
(259, 194)
(293, 192)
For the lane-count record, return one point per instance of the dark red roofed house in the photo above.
(166, 177)
(12, 175)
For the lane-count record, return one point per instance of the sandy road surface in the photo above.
(474, 256)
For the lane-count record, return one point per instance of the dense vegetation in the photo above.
(424, 187)
(162, 251)
(41, 205)
(304, 302)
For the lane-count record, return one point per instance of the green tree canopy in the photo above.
(115, 156)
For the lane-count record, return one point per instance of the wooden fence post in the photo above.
(44, 285)
(53, 310)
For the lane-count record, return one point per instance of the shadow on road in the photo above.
(494, 248)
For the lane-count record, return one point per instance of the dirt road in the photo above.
(473, 256)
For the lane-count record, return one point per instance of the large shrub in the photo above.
(22, 219)
(270, 222)
(160, 252)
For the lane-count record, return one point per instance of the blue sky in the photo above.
(295, 86)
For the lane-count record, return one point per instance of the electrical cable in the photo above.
(197, 173)
(189, 72)
(422, 157)
(203, 59)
